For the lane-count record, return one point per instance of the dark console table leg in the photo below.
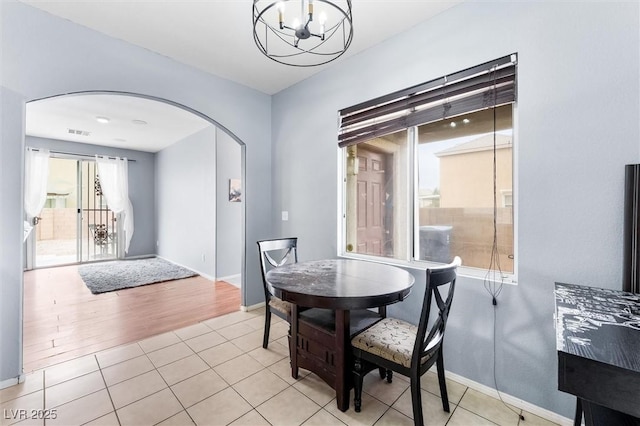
(577, 421)
(598, 415)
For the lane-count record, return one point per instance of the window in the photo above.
(428, 171)
(56, 201)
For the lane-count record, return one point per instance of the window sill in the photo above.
(421, 265)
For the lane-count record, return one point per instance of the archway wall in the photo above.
(186, 202)
(43, 56)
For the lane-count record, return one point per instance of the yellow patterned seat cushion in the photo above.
(280, 305)
(391, 339)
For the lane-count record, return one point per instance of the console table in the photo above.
(598, 344)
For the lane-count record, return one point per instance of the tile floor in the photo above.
(216, 373)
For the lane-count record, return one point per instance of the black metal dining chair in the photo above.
(396, 345)
(274, 253)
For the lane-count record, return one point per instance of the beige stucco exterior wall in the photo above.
(59, 222)
(466, 204)
(466, 179)
(62, 180)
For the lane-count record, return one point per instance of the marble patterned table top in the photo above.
(599, 324)
(340, 283)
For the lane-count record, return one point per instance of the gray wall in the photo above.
(11, 253)
(576, 127)
(45, 56)
(229, 215)
(141, 187)
(186, 202)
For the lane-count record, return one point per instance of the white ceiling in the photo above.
(165, 124)
(215, 36)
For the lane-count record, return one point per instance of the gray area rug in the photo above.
(109, 276)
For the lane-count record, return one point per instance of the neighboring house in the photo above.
(458, 216)
(466, 173)
(428, 198)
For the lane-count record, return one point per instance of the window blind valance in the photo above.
(484, 86)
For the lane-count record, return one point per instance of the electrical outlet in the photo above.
(285, 215)
(203, 257)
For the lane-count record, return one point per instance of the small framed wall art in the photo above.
(235, 191)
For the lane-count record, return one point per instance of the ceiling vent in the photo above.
(79, 132)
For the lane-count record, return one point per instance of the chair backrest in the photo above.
(274, 253)
(429, 339)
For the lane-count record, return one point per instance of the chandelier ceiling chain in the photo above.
(317, 32)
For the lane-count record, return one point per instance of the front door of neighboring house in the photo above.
(372, 195)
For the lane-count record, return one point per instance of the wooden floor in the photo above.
(63, 320)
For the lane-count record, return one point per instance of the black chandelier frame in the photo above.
(291, 37)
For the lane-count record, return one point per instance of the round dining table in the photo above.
(345, 289)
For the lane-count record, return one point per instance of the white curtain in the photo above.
(114, 181)
(36, 174)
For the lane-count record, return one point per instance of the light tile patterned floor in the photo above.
(216, 373)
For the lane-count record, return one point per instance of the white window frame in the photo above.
(484, 275)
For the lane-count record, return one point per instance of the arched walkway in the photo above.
(204, 292)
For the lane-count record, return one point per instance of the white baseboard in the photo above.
(140, 256)
(202, 274)
(252, 307)
(234, 280)
(516, 402)
(12, 382)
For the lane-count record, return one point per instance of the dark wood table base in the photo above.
(330, 299)
(323, 347)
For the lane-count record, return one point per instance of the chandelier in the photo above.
(302, 33)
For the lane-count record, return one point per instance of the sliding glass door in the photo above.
(75, 225)
(98, 225)
(56, 228)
